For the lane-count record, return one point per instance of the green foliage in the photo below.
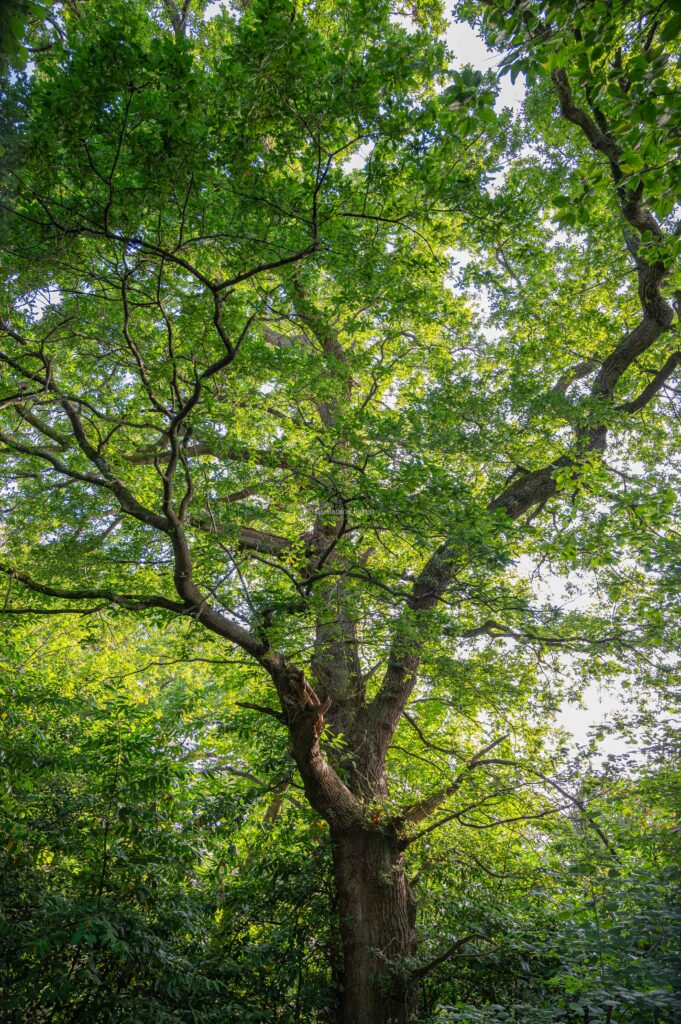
(141, 877)
(590, 933)
(157, 863)
(318, 369)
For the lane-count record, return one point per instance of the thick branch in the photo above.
(656, 385)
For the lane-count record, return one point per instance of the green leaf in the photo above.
(671, 29)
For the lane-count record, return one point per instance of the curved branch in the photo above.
(656, 385)
(420, 972)
(424, 808)
(133, 602)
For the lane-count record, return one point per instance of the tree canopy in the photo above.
(323, 376)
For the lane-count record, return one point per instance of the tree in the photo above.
(242, 388)
(123, 814)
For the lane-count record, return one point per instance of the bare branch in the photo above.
(424, 808)
(420, 972)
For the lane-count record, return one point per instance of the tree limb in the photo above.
(420, 972)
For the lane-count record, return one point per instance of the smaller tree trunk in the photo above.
(377, 927)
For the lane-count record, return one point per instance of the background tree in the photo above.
(126, 806)
(241, 388)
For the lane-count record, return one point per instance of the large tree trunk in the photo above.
(377, 917)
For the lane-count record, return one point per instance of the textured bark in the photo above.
(377, 926)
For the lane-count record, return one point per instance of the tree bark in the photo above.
(377, 927)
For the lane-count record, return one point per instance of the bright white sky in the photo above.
(468, 48)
